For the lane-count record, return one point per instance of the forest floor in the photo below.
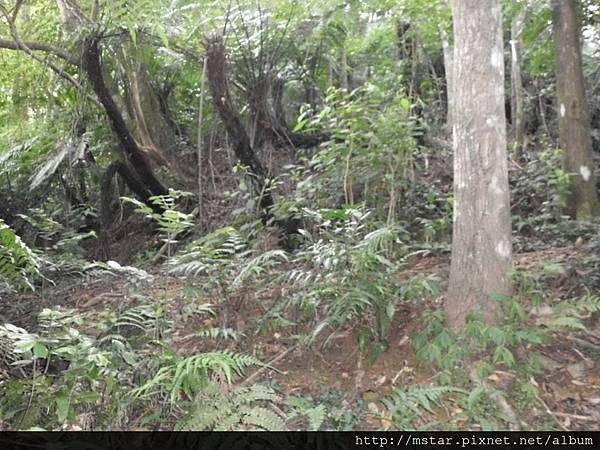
(336, 370)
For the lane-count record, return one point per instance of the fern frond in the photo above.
(316, 417)
(220, 333)
(19, 266)
(377, 240)
(588, 303)
(192, 374)
(244, 395)
(214, 251)
(565, 322)
(262, 418)
(243, 408)
(259, 264)
(418, 399)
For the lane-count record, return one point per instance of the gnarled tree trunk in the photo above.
(135, 156)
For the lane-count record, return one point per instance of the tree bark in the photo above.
(516, 81)
(199, 141)
(481, 244)
(574, 122)
(449, 71)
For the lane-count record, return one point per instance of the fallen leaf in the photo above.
(386, 421)
(493, 377)
(373, 408)
(403, 341)
(577, 370)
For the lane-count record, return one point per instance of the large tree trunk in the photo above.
(574, 122)
(481, 245)
(135, 156)
(516, 81)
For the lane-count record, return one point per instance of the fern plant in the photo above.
(211, 255)
(19, 265)
(260, 264)
(171, 222)
(243, 408)
(406, 406)
(191, 375)
(220, 333)
(224, 258)
(302, 407)
(151, 320)
(571, 314)
(346, 270)
(92, 363)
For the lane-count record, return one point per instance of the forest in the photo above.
(299, 215)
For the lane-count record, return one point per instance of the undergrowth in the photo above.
(121, 370)
(105, 373)
(471, 363)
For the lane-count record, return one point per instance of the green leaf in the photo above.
(133, 35)
(504, 355)
(40, 350)
(390, 310)
(62, 406)
(316, 417)
(566, 322)
(88, 397)
(486, 425)
(553, 269)
(474, 397)
(162, 35)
